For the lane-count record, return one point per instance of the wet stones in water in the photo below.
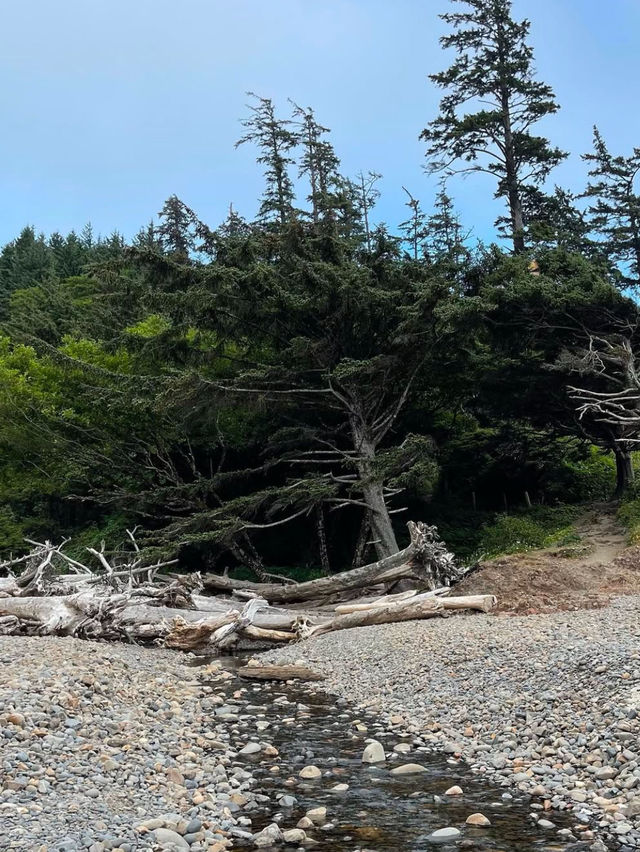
(444, 835)
(408, 769)
(310, 773)
(374, 753)
(294, 836)
(269, 836)
(317, 815)
(478, 820)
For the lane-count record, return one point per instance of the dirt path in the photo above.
(581, 576)
(600, 530)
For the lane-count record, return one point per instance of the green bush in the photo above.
(580, 480)
(113, 531)
(11, 533)
(540, 527)
(629, 517)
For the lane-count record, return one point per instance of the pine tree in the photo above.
(413, 228)
(24, 262)
(615, 210)
(86, 236)
(365, 194)
(491, 103)
(319, 164)
(175, 231)
(445, 239)
(275, 141)
(148, 238)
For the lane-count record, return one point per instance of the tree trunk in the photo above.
(381, 527)
(249, 557)
(624, 471)
(322, 540)
(361, 543)
(425, 558)
(511, 175)
(373, 491)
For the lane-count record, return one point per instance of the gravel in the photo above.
(113, 747)
(547, 703)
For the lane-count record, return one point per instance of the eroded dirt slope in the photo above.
(577, 577)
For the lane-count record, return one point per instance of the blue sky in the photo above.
(110, 106)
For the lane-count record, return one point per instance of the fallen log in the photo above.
(191, 637)
(363, 606)
(413, 608)
(278, 673)
(125, 600)
(484, 603)
(402, 611)
(425, 560)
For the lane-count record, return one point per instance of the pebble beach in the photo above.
(548, 704)
(118, 748)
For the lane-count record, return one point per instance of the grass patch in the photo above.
(629, 516)
(485, 535)
(539, 527)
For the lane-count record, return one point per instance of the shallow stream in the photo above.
(379, 812)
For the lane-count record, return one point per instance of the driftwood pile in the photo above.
(49, 593)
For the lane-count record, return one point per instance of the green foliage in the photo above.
(474, 535)
(11, 533)
(541, 527)
(152, 326)
(236, 390)
(585, 479)
(112, 530)
(615, 207)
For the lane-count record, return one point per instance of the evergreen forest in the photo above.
(283, 394)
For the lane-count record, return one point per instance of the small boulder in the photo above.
(269, 836)
(316, 815)
(250, 748)
(477, 819)
(454, 791)
(294, 836)
(442, 835)
(175, 776)
(408, 769)
(310, 773)
(168, 839)
(374, 753)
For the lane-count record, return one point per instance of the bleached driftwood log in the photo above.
(412, 608)
(129, 601)
(253, 672)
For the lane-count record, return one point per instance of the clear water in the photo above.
(379, 812)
